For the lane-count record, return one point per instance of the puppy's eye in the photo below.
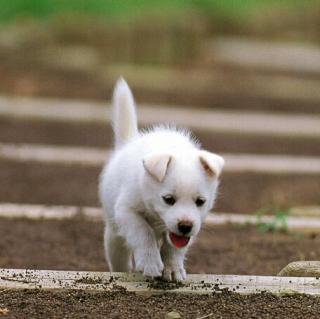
(169, 200)
(200, 201)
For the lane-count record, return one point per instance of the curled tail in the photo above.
(124, 120)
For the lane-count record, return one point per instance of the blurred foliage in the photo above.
(145, 31)
(278, 221)
(126, 8)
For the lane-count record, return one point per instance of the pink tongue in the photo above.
(179, 241)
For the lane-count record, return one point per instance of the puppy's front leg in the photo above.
(141, 239)
(173, 259)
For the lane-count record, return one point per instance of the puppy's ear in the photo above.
(211, 163)
(156, 165)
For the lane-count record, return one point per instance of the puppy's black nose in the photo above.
(185, 227)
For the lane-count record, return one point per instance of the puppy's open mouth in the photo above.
(179, 241)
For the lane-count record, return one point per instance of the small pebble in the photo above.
(173, 315)
(4, 311)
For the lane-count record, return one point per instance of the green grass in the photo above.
(278, 222)
(12, 9)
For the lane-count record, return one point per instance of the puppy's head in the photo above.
(181, 189)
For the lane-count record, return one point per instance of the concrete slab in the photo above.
(194, 284)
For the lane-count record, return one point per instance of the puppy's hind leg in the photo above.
(117, 253)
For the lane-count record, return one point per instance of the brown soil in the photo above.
(38, 183)
(54, 133)
(248, 192)
(99, 135)
(75, 244)
(78, 245)
(80, 304)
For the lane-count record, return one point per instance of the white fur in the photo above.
(144, 167)
(124, 113)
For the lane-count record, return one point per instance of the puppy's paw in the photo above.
(174, 272)
(150, 263)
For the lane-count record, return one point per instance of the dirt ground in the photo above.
(78, 245)
(118, 305)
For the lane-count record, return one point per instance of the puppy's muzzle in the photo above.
(185, 227)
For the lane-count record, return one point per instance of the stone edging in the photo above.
(195, 284)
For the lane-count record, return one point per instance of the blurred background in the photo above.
(171, 51)
(243, 75)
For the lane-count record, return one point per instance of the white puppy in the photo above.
(156, 191)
